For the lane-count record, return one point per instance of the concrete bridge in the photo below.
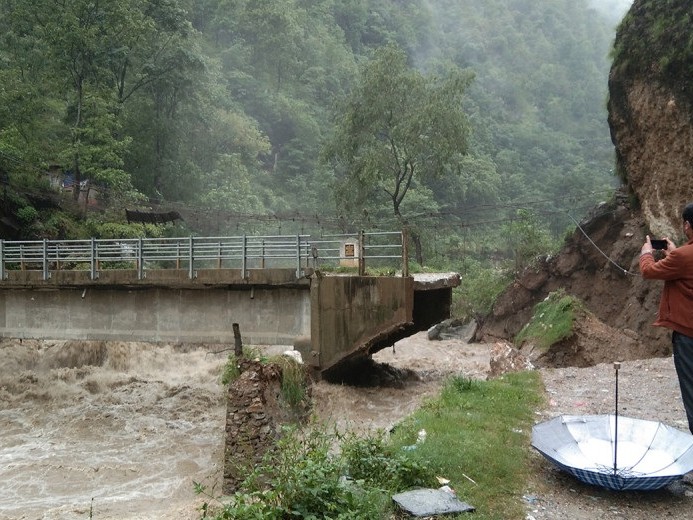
(329, 303)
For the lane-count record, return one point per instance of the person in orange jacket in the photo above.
(676, 302)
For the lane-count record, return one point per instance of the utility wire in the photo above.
(624, 271)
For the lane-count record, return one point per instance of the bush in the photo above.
(373, 461)
(479, 287)
(304, 478)
(27, 214)
(552, 320)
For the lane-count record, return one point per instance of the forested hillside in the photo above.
(252, 116)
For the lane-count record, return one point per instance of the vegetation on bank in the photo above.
(655, 40)
(476, 439)
(552, 320)
(294, 381)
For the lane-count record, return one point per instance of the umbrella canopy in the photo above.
(615, 452)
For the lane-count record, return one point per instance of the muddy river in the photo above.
(122, 430)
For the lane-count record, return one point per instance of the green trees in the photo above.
(397, 129)
(86, 59)
(226, 104)
(538, 100)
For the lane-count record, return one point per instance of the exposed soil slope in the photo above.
(599, 265)
(650, 109)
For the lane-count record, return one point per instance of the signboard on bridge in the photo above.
(349, 253)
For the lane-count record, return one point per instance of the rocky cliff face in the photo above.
(650, 112)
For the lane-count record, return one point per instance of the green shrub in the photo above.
(27, 214)
(303, 478)
(528, 239)
(479, 287)
(552, 320)
(231, 370)
(372, 460)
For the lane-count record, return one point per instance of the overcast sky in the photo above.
(614, 9)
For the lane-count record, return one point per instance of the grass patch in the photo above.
(478, 438)
(294, 383)
(552, 320)
(294, 388)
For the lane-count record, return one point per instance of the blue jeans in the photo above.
(683, 361)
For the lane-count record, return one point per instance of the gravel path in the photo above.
(648, 389)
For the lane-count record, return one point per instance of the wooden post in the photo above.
(238, 343)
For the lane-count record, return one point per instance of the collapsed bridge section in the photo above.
(356, 316)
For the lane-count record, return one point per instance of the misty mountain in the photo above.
(220, 108)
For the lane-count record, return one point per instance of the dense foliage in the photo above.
(654, 39)
(224, 110)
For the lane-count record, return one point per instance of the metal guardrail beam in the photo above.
(241, 252)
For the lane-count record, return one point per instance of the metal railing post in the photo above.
(2, 260)
(46, 274)
(140, 259)
(362, 253)
(298, 255)
(244, 259)
(405, 254)
(92, 260)
(191, 258)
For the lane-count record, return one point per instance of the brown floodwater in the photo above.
(118, 430)
(113, 430)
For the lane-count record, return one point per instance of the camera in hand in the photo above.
(658, 244)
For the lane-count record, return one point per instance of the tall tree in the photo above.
(396, 127)
(95, 55)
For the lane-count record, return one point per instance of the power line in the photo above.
(342, 221)
(624, 271)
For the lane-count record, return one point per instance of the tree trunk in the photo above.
(77, 174)
(418, 251)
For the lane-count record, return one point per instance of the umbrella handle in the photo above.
(617, 366)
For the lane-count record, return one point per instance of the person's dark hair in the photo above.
(688, 213)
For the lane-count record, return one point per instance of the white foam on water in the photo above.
(128, 425)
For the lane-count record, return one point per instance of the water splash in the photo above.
(130, 425)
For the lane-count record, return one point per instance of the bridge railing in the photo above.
(193, 253)
(384, 250)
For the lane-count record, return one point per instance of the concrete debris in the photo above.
(295, 354)
(505, 358)
(429, 502)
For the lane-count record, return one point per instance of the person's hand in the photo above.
(647, 246)
(670, 245)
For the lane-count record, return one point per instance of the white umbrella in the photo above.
(644, 455)
(615, 452)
